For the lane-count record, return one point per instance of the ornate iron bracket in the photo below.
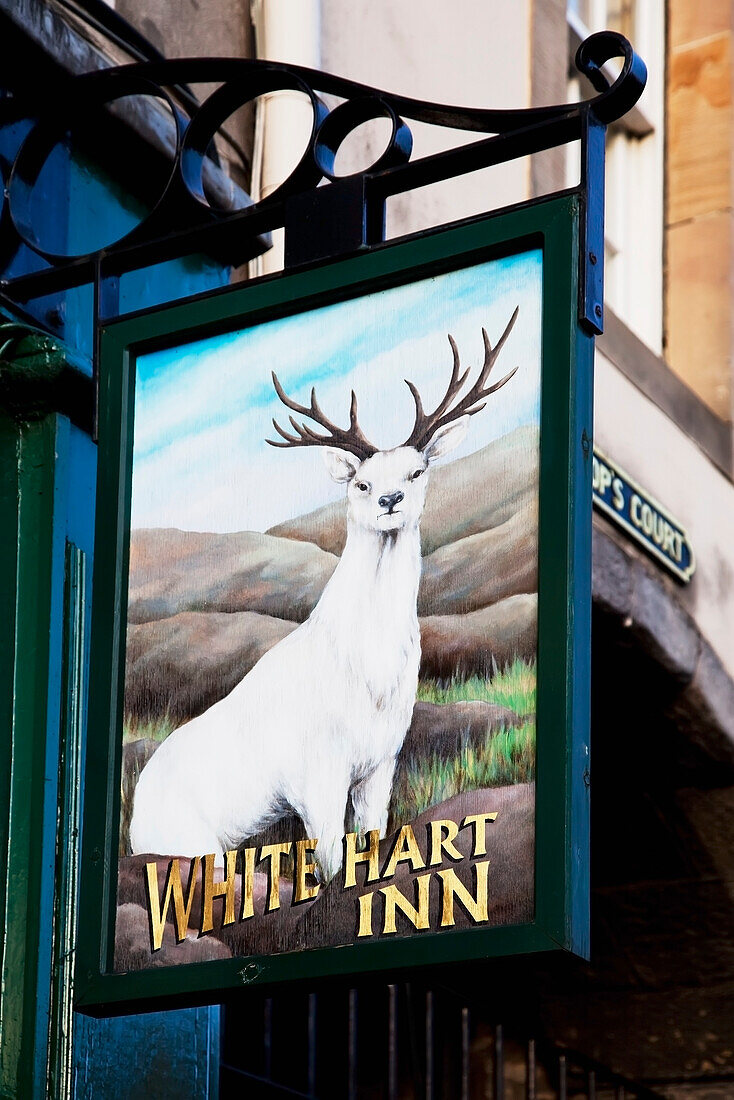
(347, 213)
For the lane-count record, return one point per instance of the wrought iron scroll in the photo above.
(358, 201)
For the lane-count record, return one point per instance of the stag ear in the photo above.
(446, 438)
(342, 465)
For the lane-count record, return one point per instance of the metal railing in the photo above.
(399, 1041)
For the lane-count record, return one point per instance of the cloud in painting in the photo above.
(203, 410)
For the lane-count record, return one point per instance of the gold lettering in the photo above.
(678, 546)
(394, 900)
(173, 889)
(454, 887)
(440, 844)
(304, 867)
(248, 884)
(275, 853)
(212, 889)
(635, 505)
(370, 855)
(405, 850)
(605, 480)
(480, 839)
(617, 490)
(647, 519)
(365, 915)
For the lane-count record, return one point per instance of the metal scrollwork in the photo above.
(613, 100)
(257, 79)
(88, 92)
(510, 133)
(345, 118)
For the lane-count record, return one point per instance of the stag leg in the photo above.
(371, 798)
(323, 818)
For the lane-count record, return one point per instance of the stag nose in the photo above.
(391, 499)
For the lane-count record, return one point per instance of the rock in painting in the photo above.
(132, 943)
(478, 643)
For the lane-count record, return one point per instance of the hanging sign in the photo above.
(640, 516)
(340, 685)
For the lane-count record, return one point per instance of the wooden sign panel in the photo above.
(341, 622)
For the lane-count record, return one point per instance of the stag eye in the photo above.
(416, 473)
(363, 486)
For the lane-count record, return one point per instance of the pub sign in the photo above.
(339, 713)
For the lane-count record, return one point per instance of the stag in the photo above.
(315, 727)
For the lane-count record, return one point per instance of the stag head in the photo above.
(386, 490)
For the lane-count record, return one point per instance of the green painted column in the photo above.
(33, 438)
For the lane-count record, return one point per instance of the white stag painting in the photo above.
(330, 667)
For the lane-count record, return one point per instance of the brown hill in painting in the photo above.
(173, 571)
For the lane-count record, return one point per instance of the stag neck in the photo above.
(381, 544)
(377, 576)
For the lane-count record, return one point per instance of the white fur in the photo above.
(321, 717)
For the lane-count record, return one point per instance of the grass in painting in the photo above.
(513, 687)
(150, 729)
(504, 758)
(138, 738)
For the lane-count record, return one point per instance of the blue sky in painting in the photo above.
(203, 410)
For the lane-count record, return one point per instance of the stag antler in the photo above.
(351, 439)
(427, 424)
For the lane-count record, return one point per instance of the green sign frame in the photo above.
(561, 918)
